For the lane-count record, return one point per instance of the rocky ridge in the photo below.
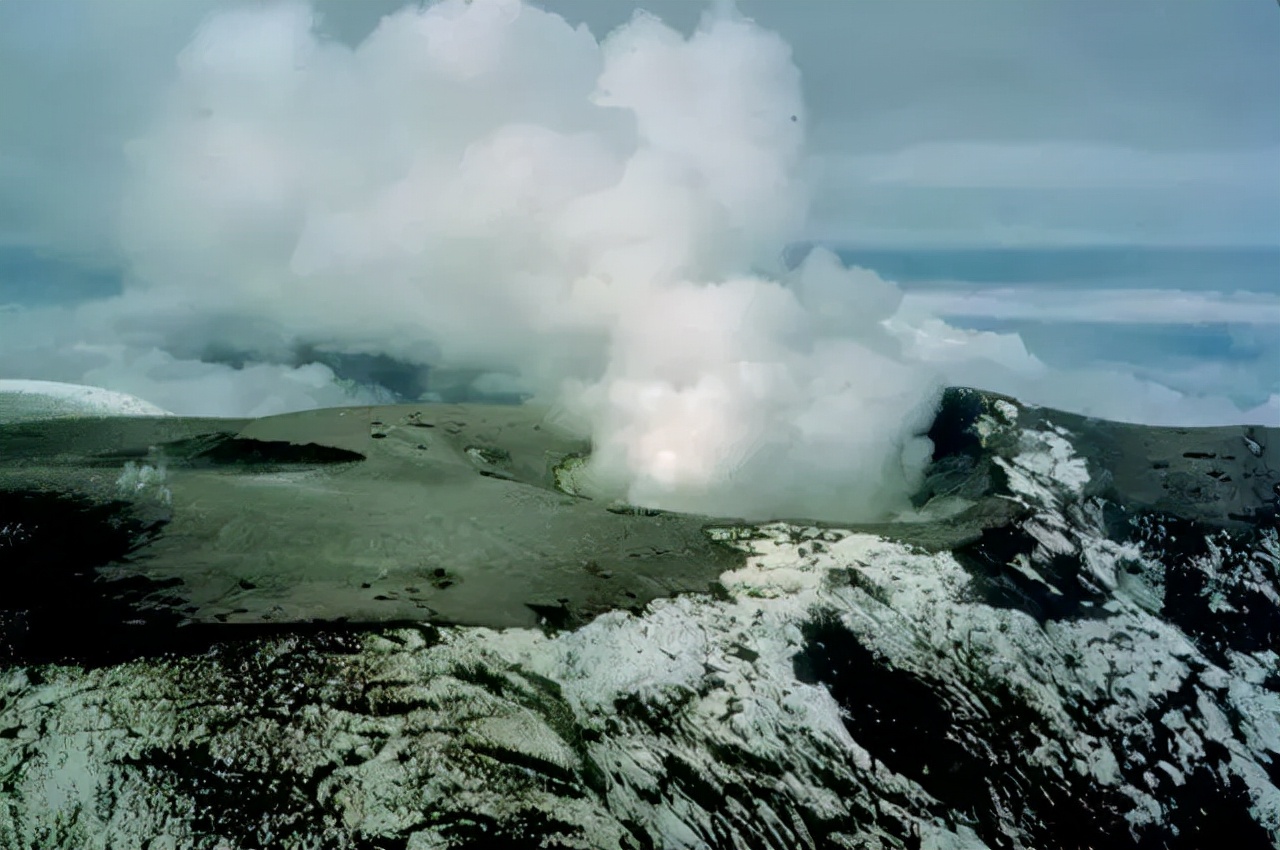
(1072, 645)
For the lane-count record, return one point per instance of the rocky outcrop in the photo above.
(1072, 644)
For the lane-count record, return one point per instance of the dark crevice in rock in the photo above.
(1210, 806)
(895, 716)
(1270, 762)
(974, 764)
(212, 450)
(555, 618)
(1217, 587)
(252, 808)
(953, 433)
(241, 451)
(525, 829)
(1061, 595)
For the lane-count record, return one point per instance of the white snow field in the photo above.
(25, 401)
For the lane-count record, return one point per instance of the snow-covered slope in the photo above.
(1083, 657)
(22, 400)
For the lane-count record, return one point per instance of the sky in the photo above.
(226, 207)
(931, 121)
(1044, 122)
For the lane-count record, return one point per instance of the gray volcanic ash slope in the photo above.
(1074, 646)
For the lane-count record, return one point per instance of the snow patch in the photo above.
(1044, 463)
(22, 400)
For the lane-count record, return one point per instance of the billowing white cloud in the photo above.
(481, 185)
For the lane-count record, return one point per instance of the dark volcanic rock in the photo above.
(53, 549)
(1074, 645)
